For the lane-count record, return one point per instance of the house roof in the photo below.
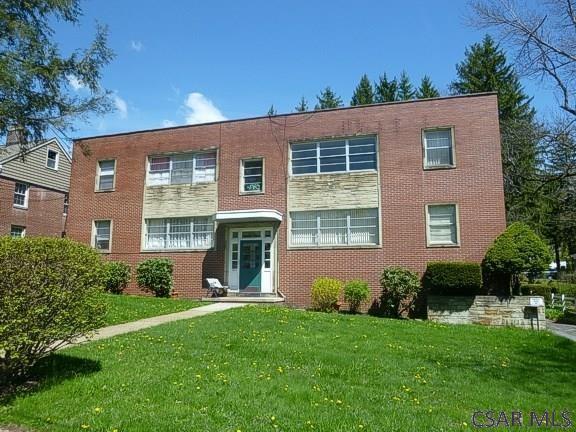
(289, 115)
(8, 153)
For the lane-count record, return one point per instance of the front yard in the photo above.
(125, 308)
(266, 369)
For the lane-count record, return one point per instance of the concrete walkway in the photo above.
(115, 330)
(565, 330)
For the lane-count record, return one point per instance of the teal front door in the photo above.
(250, 265)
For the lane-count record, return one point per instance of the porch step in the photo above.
(245, 299)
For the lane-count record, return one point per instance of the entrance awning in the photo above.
(249, 216)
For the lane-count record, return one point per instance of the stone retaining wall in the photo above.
(488, 310)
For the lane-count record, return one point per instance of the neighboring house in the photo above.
(268, 204)
(34, 188)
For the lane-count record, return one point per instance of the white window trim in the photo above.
(424, 148)
(97, 183)
(171, 156)
(377, 245)
(66, 208)
(261, 191)
(427, 218)
(145, 235)
(57, 162)
(93, 236)
(18, 226)
(26, 196)
(347, 171)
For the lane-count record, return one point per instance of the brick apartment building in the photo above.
(268, 204)
(34, 188)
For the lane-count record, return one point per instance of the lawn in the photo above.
(125, 308)
(272, 368)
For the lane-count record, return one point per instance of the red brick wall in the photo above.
(44, 216)
(475, 184)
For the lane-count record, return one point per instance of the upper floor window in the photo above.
(21, 192)
(101, 235)
(179, 233)
(334, 227)
(17, 231)
(438, 148)
(442, 223)
(182, 169)
(353, 154)
(106, 174)
(252, 176)
(52, 159)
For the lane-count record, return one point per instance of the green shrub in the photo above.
(50, 293)
(116, 276)
(452, 278)
(567, 277)
(399, 289)
(554, 314)
(516, 250)
(546, 289)
(355, 293)
(155, 276)
(325, 294)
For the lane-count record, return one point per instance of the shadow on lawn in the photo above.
(50, 371)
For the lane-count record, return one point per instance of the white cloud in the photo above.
(168, 123)
(136, 45)
(200, 109)
(121, 106)
(75, 82)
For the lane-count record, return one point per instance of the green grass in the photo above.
(276, 369)
(125, 308)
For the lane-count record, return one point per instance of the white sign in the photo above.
(536, 301)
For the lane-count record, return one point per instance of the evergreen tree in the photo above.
(385, 91)
(271, 111)
(405, 89)
(328, 99)
(485, 69)
(37, 83)
(427, 89)
(302, 105)
(363, 94)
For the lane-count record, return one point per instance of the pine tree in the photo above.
(37, 82)
(328, 99)
(302, 105)
(385, 91)
(272, 110)
(363, 94)
(427, 89)
(485, 69)
(405, 89)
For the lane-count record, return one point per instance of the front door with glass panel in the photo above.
(250, 265)
(250, 259)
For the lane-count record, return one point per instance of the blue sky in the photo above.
(195, 61)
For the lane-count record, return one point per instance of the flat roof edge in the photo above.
(471, 95)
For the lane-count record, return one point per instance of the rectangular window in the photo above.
(17, 231)
(334, 227)
(106, 173)
(345, 155)
(438, 148)
(182, 169)
(52, 159)
(21, 192)
(442, 224)
(179, 233)
(253, 176)
(66, 204)
(102, 232)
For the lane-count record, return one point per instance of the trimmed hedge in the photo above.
(453, 278)
(546, 290)
(116, 276)
(155, 275)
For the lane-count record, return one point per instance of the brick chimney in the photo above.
(15, 136)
